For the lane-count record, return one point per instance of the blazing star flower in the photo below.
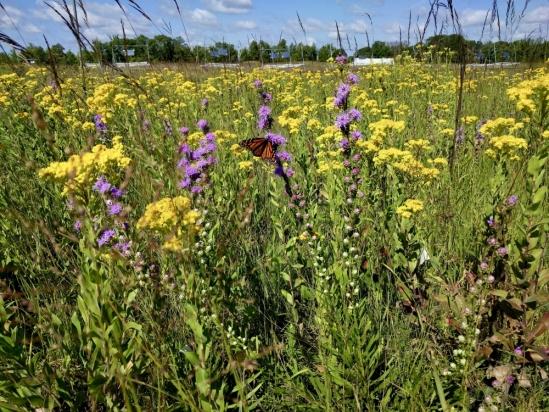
(258, 84)
(115, 209)
(490, 221)
(202, 125)
(184, 130)
(276, 139)
(518, 351)
(290, 172)
(116, 192)
(355, 115)
(483, 265)
(100, 125)
(511, 200)
(502, 251)
(77, 225)
(356, 135)
(343, 121)
(102, 185)
(284, 156)
(352, 78)
(342, 95)
(492, 241)
(267, 97)
(123, 248)
(341, 59)
(264, 120)
(344, 144)
(106, 237)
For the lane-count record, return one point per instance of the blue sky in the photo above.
(240, 21)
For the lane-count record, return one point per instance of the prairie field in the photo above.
(328, 238)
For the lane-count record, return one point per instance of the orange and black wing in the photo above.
(260, 147)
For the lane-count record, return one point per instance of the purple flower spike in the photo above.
(502, 251)
(102, 185)
(344, 144)
(202, 125)
(106, 237)
(518, 351)
(356, 135)
(77, 225)
(490, 221)
(284, 157)
(258, 84)
(184, 130)
(352, 78)
(115, 209)
(276, 139)
(341, 59)
(355, 115)
(116, 192)
(511, 200)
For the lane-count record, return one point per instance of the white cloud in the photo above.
(245, 24)
(203, 17)
(472, 18)
(13, 16)
(31, 28)
(229, 6)
(539, 15)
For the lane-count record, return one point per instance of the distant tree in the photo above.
(381, 49)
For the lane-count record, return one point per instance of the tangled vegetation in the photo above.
(390, 253)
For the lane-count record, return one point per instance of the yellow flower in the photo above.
(410, 207)
(245, 165)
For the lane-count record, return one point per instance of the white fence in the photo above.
(373, 60)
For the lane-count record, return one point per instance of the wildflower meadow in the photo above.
(327, 238)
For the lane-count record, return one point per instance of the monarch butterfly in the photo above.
(260, 147)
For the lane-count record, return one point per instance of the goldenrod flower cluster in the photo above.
(79, 171)
(173, 218)
(530, 95)
(410, 207)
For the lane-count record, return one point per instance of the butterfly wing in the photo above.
(260, 147)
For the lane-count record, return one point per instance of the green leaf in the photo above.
(288, 296)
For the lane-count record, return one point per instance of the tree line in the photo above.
(163, 48)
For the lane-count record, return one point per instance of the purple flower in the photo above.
(258, 84)
(510, 379)
(492, 241)
(185, 148)
(511, 200)
(192, 171)
(204, 103)
(185, 183)
(105, 237)
(265, 120)
(116, 192)
(290, 172)
(518, 351)
(352, 78)
(100, 125)
(490, 221)
(267, 97)
(284, 156)
(209, 138)
(184, 130)
(356, 157)
(356, 135)
(115, 209)
(77, 225)
(202, 125)
(102, 185)
(346, 163)
(123, 248)
(355, 171)
(276, 139)
(343, 121)
(341, 59)
(483, 265)
(196, 189)
(279, 170)
(355, 115)
(502, 251)
(342, 94)
(344, 144)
